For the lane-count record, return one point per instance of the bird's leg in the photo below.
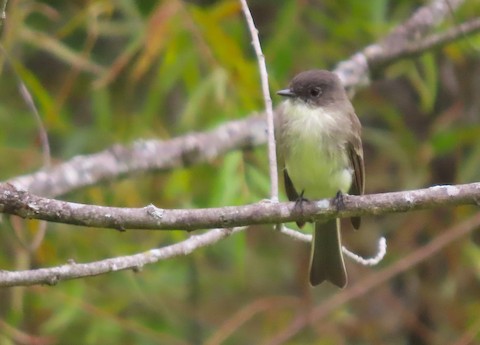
(300, 200)
(299, 206)
(338, 201)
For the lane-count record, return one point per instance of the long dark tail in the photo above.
(326, 261)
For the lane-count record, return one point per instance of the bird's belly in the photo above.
(318, 170)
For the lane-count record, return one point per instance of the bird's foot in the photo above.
(300, 200)
(299, 206)
(338, 201)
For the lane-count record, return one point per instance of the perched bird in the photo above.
(321, 156)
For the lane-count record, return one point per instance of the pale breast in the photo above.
(316, 160)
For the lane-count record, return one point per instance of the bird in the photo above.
(320, 155)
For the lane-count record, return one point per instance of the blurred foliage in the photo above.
(105, 71)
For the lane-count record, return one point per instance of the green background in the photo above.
(105, 72)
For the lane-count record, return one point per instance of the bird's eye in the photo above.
(315, 92)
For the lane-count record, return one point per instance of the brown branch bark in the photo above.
(26, 205)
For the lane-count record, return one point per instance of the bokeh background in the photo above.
(113, 71)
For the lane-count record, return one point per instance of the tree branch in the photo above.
(72, 270)
(31, 206)
(272, 154)
(143, 156)
(26, 205)
(410, 49)
(357, 70)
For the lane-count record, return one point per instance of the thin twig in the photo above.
(27, 97)
(381, 252)
(381, 247)
(272, 156)
(42, 132)
(72, 270)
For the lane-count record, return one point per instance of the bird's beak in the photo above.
(286, 93)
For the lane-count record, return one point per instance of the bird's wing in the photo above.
(355, 153)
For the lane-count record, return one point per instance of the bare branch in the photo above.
(143, 156)
(430, 42)
(357, 70)
(422, 21)
(29, 205)
(272, 155)
(26, 205)
(72, 270)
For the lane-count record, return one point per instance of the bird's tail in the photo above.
(326, 261)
